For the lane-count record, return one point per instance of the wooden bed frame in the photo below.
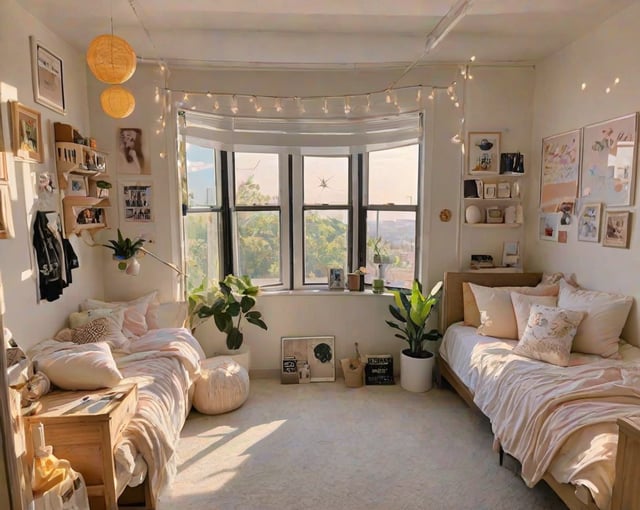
(452, 310)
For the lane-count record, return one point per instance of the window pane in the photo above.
(325, 243)
(201, 180)
(326, 180)
(393, 176)
(397, 229)
(201, 248)
(258, 234)
(256, 177)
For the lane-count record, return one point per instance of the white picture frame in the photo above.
(483, 151)
(137, 201)
(317, 351)
(336, 278)
(504, 190)
(76, 186)
(48, 77)
(589, 222)
(490, 191)
(549, 224)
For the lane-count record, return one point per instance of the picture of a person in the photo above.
(131, 160)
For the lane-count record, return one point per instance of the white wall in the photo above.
(498, 99)
(30, 321)
(610, 51)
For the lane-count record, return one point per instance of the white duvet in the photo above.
(164, 363)
(553, 419)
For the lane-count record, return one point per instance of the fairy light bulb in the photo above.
(256, 104)
(616, 81)
(185, 98)
(368, 107)
(278, 105)
(325, 106)
(457, 104)
(157, 94)
(432, 95)
(158, 131)
(209, 95)
(419, 95)
(234, 104)
(252, 99)
(216, 103)
(473, 58)
(387, 99)
(300, 104)
(347, 106)
(607, 90)
(583, 86)
(162, 155)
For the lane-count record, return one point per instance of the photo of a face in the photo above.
(131, 158)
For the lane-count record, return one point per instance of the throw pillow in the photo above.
(135, 311)
(606, 314)
(102, 329)
(497, 317)
(76, 367)
(77, 319)
(167, 315)
(522, 307)
(549, 334)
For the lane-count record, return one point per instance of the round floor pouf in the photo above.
(222, 387)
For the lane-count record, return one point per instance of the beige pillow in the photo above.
(167, 315)
(471, 312)
(77, 319)
(496, 310)
(606, 314)
(522, 307)
(76, 367)
(549, 334)
(102, 329)
(135, 311)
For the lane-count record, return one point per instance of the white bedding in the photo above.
(164, 363)
(556, 419)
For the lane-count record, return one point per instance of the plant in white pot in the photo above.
(229, 302)
(124, 252)
(412, 313)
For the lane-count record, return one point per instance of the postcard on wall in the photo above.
(560, 169)
(608, 161)
(484, 153)
(131, 159)
(549, 226)
(616, 232)
(589, 223)
(136, 201)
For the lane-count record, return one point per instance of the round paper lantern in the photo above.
(111, 59)
(117, 102)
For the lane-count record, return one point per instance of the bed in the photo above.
(560, 423)
(164, 364)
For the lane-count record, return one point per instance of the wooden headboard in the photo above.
(452, 305)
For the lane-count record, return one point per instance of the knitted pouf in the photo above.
(222, 387)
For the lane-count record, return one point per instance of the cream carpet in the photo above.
(324, 446)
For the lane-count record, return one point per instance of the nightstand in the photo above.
(625, 488)
(83, 428)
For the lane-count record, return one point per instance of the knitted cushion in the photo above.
(222, 387)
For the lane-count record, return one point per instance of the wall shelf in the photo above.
(493, 225)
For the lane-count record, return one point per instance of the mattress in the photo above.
(560, 420)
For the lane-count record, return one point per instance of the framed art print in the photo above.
(616, 233)
(27, 133)
(609, 161)
(549, 223)
(336, 278)
(484, 153)
(560, 169)
(589, 223)
(47, 76)
(313, 357)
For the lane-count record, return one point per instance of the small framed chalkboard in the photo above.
(289, 373)
(379, 369)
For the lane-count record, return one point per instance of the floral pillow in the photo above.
(102, 329)
(549, 334)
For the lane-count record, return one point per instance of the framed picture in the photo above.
(484, 153)
(510, 253)
(4, 173)
(609, 161)
(336, 278)
(490, 191)
(504, 190)
(136, 201)
(27, 133)
(6, 219)
(88, 217)
(47, 77)
(314, 357)
(560, 169)
(131, 159)
(589, 223)
(617, 230)
(549, 224)
(77, 186)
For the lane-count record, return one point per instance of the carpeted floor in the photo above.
(324, 446)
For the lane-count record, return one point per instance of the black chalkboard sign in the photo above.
(289, 370)
(379, 369)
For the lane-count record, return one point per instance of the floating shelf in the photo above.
(493, 225)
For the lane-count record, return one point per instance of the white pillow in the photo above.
(522, 307)
(135, 311)
(167, 315)
(549, 334)
(606, 314)
(76, 367)
(496, 310)
(77, 319)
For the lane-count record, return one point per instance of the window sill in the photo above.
(321, 292)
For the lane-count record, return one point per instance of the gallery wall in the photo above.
(561, 105)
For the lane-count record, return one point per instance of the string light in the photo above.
(387, 99)
(432, 95)
(209, 94)
(583, 86)
(216, 103)
(256, 104)
(300, 104)
(186, 97)
(325, 106)
(616, 81)
(278, 105)
(473, 58)
(347, 106)
(234, 104)
(368, 107)
(607, 90)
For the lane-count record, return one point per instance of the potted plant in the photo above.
(103, 188)
(229, 302)
(124, 251)
(412, 313)
(380, 258)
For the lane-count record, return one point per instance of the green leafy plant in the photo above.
(379, 248)
(124, 248)
(232, 299)
(412, 313)
(103, 185)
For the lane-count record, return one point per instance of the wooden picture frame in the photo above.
(6, 220)
(4, 172)
(483, 151)
(316, 351)
(606, 146)
(77, 186)
(27, 133)
(616, 229)
(48, 77)
(88, 217)
(560, 171)
(589, 222)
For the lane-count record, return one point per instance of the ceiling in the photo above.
(325, 33)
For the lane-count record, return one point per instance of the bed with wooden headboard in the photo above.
(452, 311)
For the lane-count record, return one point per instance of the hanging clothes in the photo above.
(50, 256)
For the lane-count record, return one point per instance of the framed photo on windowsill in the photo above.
(336, 278)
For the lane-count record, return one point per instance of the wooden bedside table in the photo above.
(83, 427)
(625, 489)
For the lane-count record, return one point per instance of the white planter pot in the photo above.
(242, 356)
(416, 374)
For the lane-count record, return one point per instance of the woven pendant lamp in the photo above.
(117, 101)
(111, 59)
